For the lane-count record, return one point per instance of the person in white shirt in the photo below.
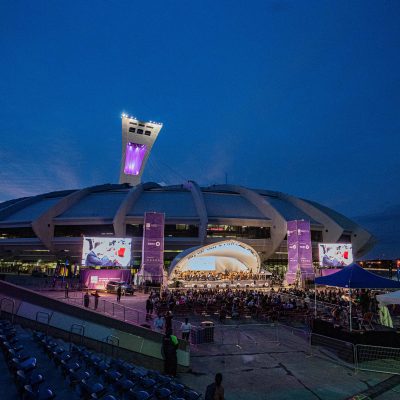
(185, 328)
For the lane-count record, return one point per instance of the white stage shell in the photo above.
(221, 257)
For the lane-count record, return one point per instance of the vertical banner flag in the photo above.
(305, 249)
(299, 250)
(153, 247)
(293, 259)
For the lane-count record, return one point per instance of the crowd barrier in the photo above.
(378, 359)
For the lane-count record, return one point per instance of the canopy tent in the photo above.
(389, 298)
(355, 277)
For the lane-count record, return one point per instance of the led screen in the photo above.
(106, 252)
(134, 156)
(335, 254)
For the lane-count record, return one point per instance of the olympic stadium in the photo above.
(49, 227)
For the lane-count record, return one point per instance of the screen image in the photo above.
(134, 158)
(106, 252)
(335, 254)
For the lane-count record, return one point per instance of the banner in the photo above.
(292, 243)
(299, 251)
(153, 247)
(98, 278)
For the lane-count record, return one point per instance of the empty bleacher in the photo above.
(39, 366)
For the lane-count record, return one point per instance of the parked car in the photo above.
(126, 288)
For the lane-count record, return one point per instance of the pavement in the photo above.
(269, 362)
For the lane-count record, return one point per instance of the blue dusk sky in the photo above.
(301, 97)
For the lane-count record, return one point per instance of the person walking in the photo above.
(169, 349)
(119, 292)
(215, 391)
(186, 328)
(66, 289)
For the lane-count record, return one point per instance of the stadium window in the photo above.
(140, 131)
(148, 133)
(141, 125)
(316, 236)
(132, 130)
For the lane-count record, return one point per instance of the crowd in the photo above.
(221, 276)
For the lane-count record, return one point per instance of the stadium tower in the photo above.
(138, 138)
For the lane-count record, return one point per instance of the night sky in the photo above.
(301, 97)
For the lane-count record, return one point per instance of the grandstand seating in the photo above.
(44, 367)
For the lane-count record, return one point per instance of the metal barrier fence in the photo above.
(336, 350)
(378, 359)
(236, 335)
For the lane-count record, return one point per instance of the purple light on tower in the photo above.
(134, 156)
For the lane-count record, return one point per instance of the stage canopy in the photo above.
(389, 298)
(220, 257)
(356, 277)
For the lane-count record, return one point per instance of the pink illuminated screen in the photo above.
(134, 158)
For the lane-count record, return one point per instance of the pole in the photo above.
(350, 310)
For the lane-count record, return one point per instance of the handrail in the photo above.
(38, 314)
(113, 341)
(81, 333)
(12, 309)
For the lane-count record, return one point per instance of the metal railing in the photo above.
(76, 329)
(40, 315)
(9, 301)
(378, 359)
(113, 341)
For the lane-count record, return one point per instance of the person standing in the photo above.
(215, 391)
(119, 292)
(168, 321)
(186, 328)
(96, 299)
(149, 305)
(86, 300)
(169, 353)
(159, 323)
(66, 287)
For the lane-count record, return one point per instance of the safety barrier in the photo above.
(378, 359)
(336, 350)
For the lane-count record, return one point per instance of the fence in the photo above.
(378, 359)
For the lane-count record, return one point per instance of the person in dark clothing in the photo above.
(149, 308)
(119, 292)
(168, 321)
(86, 300)
(96, 299)
(169, 353)
(66, 290)
(215, 391)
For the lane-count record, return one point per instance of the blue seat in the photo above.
(40, 394)
(191, 395)
(138, 395)
(162, 394)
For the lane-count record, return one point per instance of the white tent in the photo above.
(389, 298)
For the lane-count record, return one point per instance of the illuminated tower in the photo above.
(138, 138)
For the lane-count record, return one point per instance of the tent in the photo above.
(389, 298)
(355, 277)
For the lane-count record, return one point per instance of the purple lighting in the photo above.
(134, 158)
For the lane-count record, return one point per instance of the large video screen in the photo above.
(106, 252)
(335, 255)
